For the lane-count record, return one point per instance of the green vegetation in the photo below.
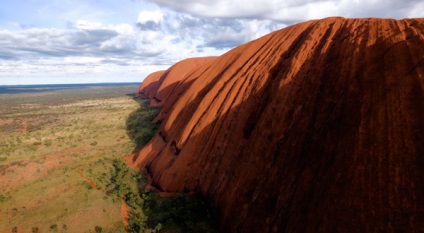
(121, 182)
(98, 229)
(44, 138)
(53, 143)
(181, 213)
(148, 211)
(140, 126)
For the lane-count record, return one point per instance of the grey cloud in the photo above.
(151, 54)
(205, 29)
(117, 49)
(52, 48)
(198, 22)
(78, 50)
(224, 39)
(188, 35)
(215, 33)
(222, 44)
(294, 11)
(148, 26)
(236, 9)
(38, 43)
(385, 9)
(7, 55)
(92, 37)
(114, 61)
(162, 61)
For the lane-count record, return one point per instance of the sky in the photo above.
(90, 41)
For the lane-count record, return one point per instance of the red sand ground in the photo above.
(24, 126)
(124, 213)
(88, 180)
(317, 127)
(17, 174)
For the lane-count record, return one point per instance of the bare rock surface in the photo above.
(160, 85)
(318, 127)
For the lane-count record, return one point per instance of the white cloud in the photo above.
(90, 46)
(417, 11)
(296, 10)
(125, 29)
(83, 24)
(146, 16)
(82, 60)
(60, 39)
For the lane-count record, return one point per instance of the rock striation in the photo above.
(318, 127)
(150, 85)
(159, 85)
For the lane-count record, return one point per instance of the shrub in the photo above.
(87, 185)
(98, 229)
(140, 127)
(48, 143)
(181, 212)
(123, 183)
(54, 228)
(2, 198)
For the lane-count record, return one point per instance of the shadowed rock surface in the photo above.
(158, 86)
(318, 127)
(150, 85)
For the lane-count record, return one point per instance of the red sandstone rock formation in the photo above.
(318, 127)
(150, 85)
(160, 85)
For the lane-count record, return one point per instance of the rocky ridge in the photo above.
(317, 127)
(160, 85)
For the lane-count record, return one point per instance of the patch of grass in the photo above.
(48, 143)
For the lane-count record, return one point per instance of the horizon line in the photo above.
(49, 84)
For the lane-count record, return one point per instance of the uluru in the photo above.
(317, 127)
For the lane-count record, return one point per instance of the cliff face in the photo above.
(160, 85)
(317, 127)
(150, 85)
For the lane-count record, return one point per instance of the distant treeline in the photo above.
(11, 89)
